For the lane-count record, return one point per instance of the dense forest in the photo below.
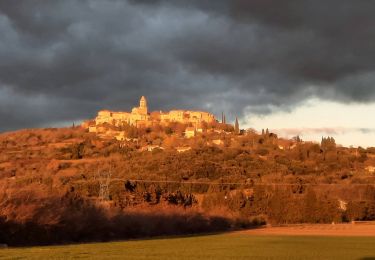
(69, 185)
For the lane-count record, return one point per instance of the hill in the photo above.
(72, 185)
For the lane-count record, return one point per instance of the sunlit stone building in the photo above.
(139, 116)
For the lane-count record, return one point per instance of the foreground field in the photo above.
(223, 246)
(366, 229)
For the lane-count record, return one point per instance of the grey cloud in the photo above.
(367, 130)
(64, 60)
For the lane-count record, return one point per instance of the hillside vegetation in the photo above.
(67, 185)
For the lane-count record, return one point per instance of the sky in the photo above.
(350, 125)
(295, 67)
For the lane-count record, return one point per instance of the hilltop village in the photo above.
(140, 117)
(111, 124)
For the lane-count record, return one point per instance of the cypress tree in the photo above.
(236, 127)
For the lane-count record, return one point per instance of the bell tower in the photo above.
(143, 105)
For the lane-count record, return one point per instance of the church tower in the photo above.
(143, 105)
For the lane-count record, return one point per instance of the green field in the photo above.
(224, 246)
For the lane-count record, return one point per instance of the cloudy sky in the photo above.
(295, 66)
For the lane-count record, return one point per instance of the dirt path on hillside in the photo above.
(367, 230)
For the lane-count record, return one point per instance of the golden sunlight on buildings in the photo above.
(140, 117)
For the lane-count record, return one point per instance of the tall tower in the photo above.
(143, 105)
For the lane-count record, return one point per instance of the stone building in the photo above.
(139, 116)
(190, 132)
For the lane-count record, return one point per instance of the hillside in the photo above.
(69, 180)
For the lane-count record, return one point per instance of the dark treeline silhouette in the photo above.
(73, 220)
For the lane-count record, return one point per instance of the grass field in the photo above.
(223, 246)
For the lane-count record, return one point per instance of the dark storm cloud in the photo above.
(62, 61)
